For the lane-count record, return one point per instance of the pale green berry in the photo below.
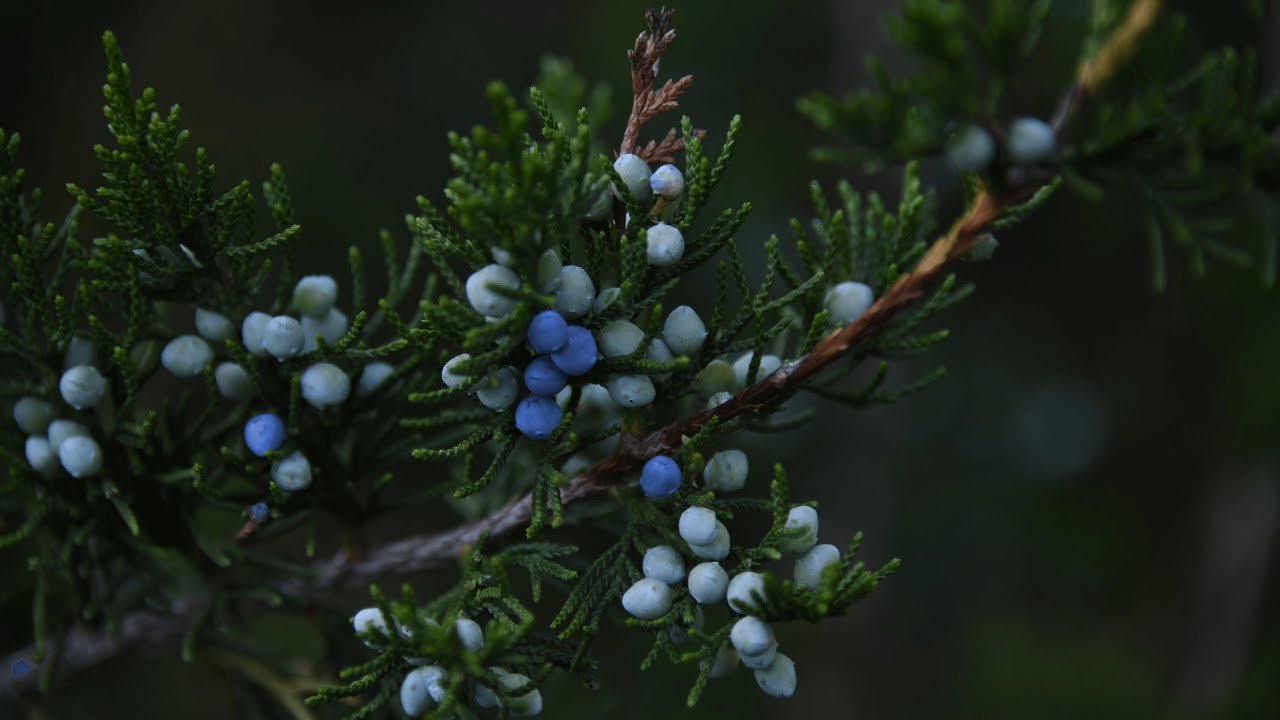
(549, 267)
(80, 351)
(313, 295)
(233, 382)
(607, 297)
(971, 149)
(618, 338)
(576, 293)
(684, 331)
(726, 662)
(499, 389)
(631, 390)
(214, 327)
(716, 377)
(726, 471)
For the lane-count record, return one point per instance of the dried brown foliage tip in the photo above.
(647, 101)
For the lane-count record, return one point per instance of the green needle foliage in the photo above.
(186, 516)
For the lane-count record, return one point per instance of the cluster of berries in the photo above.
(1027, 141)
(664, 244)
(53, 442)
(751, 640)
(424, 687)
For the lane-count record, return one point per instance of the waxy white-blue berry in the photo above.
(1029, 140)
(313, 295)
(631, 390)
(372, 377)
(499, 389)
(325, 385)
(726, 471)
(809, 567)
(599, 209)
(576, 293)
(743, 589)
(607, 297)
(742, 366)
(331, 326)
(484, 290)
(726, 662)
(251, 332)
(635, 175)
(664, 245)
(526, 705)
(698, 525)
(233, 382)
(846, 302)
(33, 415)
(214, 327)
(369, 620)
(752, 637)
(40, 455)
(414, 697)
(470, 635)
(80, 455)
(667, 182)
(82, 386)
(718, 399)
(971, 149)
(708, 583)
(984, 248)
(186, 356)
(719, 547)
(61, 430)
(292, 473)
(283, 338)
(663, 563)
(647, 599)
(684, 331)
(778, 678)
(549, 267)
(502, 256)
(450, 374)
(80, 351)
(618, 338)
(801, 517)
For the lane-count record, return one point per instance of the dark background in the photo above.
(1086, 506)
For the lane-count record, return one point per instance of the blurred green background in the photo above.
(1086, 505)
